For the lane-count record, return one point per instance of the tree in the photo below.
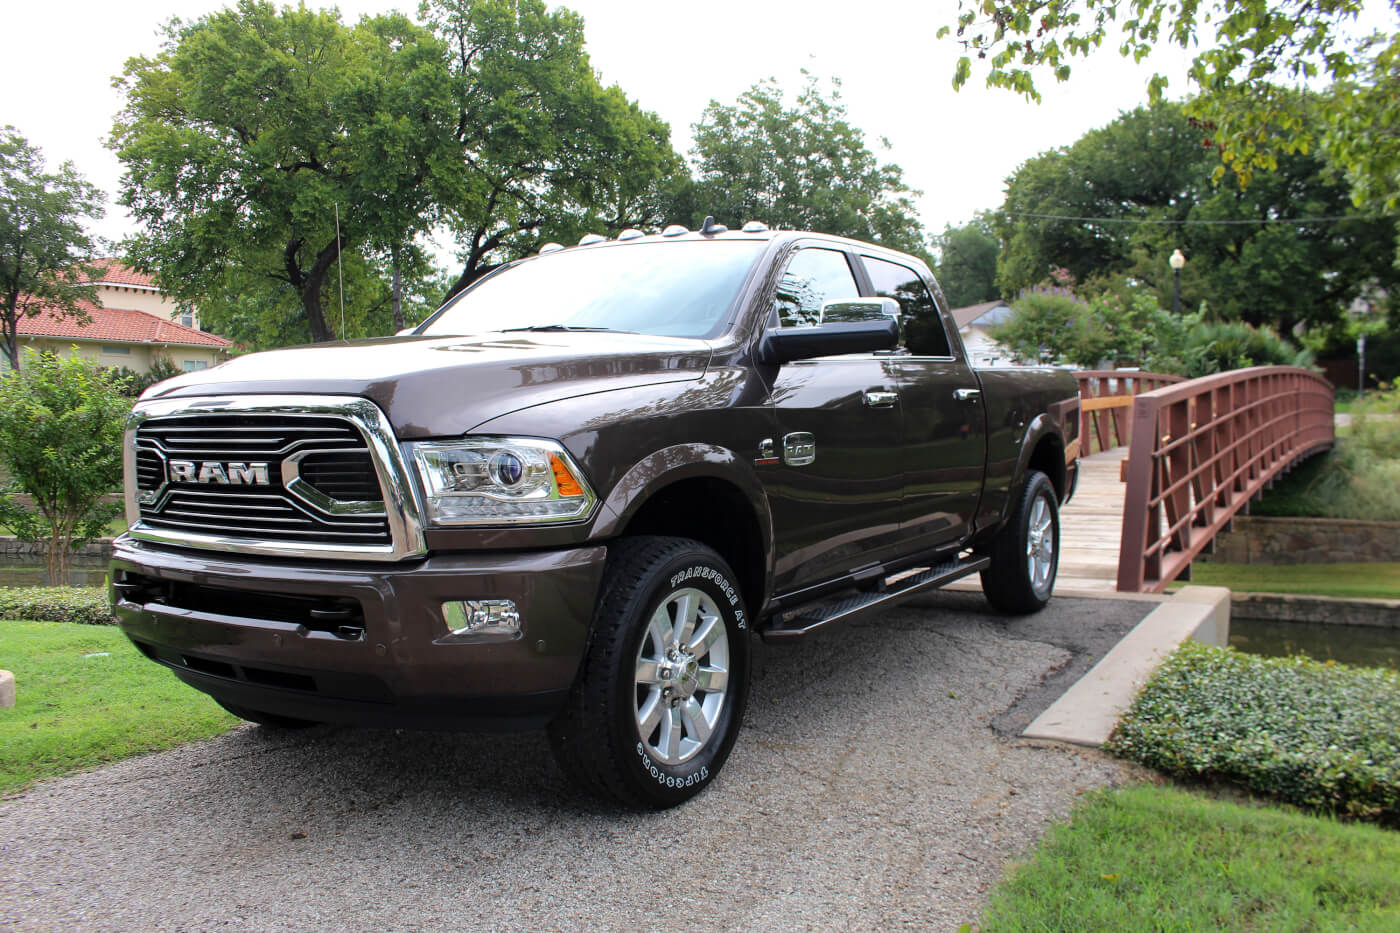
(61, 422)
(1118, 201)
(44, 249)
(262, 144)
(967, 263)
(1255, 54)
(263, 147)
(801, 167)
(259, 314)
(547, 152)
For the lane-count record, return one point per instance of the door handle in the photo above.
(967, 395)
(878, 399)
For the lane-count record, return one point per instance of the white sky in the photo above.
(672, 57)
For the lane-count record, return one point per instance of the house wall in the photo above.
(138, 359)
(143, 299)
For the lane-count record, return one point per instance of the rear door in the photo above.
(944, 424)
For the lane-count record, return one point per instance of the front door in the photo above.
(835, 495)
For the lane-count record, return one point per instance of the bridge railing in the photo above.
(1201, 450)
(1104, 399)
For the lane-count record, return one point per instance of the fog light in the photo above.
(482, 617)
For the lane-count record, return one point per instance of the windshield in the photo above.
(682, 289)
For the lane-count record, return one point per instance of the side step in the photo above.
(798, 627)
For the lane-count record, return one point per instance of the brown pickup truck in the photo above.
(579, 493)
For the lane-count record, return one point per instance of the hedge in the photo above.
(87, 605)
(1320, 735)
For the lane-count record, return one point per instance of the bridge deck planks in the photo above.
(1091, 525)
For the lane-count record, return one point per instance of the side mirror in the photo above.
(829, 339)
(406, 331)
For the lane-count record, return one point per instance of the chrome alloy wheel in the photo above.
(1040, 546)
(682, 676)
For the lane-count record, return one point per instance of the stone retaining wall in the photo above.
(1265, 540)
(1380, 613)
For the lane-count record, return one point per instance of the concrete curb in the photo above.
(1088, 712)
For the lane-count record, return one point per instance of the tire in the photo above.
(1026, 553)
(267, 720)
(660, 694)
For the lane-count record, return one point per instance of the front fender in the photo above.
(678, 463)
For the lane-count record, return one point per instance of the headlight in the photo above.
(501, 481)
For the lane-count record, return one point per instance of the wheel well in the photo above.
(1049, 458)
(716, 514)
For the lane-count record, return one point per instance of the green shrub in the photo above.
(1358, 479)
(1319, 735)
(86, 605)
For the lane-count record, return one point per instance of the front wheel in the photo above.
(660, 696)
(1026, 552)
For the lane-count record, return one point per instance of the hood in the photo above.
(445, 386)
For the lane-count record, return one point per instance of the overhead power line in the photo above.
(1200, 223)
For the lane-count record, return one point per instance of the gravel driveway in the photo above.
(876, 785)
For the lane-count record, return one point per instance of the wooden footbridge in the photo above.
(1168, 463)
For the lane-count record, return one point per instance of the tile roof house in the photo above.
(133, 324)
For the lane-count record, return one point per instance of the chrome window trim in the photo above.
(401, 509)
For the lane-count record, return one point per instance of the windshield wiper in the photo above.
(569, 327)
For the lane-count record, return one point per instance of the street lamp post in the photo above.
(1177, 261)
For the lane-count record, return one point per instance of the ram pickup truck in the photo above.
(583, 493)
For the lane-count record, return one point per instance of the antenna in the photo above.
(340, 270)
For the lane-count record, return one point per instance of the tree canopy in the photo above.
(1289, 248)
(44, 248)
(256, 129)
(1253, 57)
(801, 166)
(967, 262)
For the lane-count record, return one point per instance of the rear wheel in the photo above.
(1026, 552)
(269, 720)
(661, 693)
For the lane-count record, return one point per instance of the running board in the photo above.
(799, 627)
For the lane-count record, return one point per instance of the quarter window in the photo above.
(923, 326)
(813, 276)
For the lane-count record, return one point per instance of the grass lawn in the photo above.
(85, 697)
(1373, 581)
(1162, 859)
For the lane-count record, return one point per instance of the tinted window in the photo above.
(923, 327)
(683, 289)
(813, 276)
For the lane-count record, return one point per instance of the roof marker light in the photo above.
(755, 226)
(674, 230)
(589, 239)
(551, 248)
(630, 234)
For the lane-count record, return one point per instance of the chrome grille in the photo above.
(232, 496)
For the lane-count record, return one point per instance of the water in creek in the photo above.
(1364, 645)
(29, 571)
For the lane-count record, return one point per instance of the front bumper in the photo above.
(362, 643)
